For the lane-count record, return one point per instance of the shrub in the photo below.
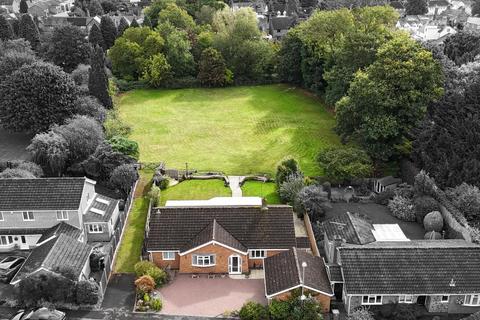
(424, 185)
(279, 310)
(253, 311)
(50, 150)
(115, 127)
(285, 169)
(87, 292)
(291, 187)
(404, 312)
(384, 197)
(91, 107)
(361, 314)
(154, 195)
(433, 235)
(123, 177)
(124, 145)
(80, 75)
(466, 198)
(327, 187)
(31, 167)
(161, 181)
(142, 267)
(16, 173)
(402, 208)
(311, 200)
(103, 162)
(433, 221)
(345, 163)
(159, 275)
(156, 304)
(423, 205)
(145, 284)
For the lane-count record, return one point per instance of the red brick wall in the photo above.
(258, 263)
(158, 260)
(322, 299)
(221, 260)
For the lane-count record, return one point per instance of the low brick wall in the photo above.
(311, 235)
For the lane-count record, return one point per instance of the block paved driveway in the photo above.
(209, 297)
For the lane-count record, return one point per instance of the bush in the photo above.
(291, 187)
(402, 208)
(159, 275)
(101, 164)
(154, 194)
(253, 311)
(124, 145)
(311, 200)
(123, 177)
(466, 198)
(404, 312)
(279, 310)
(80, 75)
(142, 267)
(384, 197)
(285, 169)
(115, 127)
(433, 221)
(156, 304)
(16, 173)
(361, 314)
(31, 167)
(424, 185)
(50, 150)
(343, 164)
(423, 205)
(87, 292)
(145, 284)
(91, 107)
(327, 187)
(433, 235)
(161, 181)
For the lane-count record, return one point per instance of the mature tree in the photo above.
(462, 47)
(6, 31)
(204, 16)
(290, 188)
(286, 168)
(122, 26)
(68, 47)
(292, 8)
(29, 31)
(109, 32)
(36, 96)
(95, 37)
(154, 9)
(212, 69)
(83, 135)
(95, 8)
(290, 59)
(123, 177)
(98, 79)
(476, 8)
(12, 61)
(177, 50)
(134, 23)
(343, 164)
(146, 22)
(387, 100)
(91, 107)
(416, 7)
(109, 6)
(177, 17)
(23, 6)
(156, 70)
(50, 150)
(103, 161)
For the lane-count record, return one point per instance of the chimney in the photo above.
(264, 205)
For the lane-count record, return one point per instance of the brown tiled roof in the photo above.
(60, 228)
(283, 271)
(173, 228)
(335, 273)
(348, 226)
(214, 231)
(303, 242)
(60, 252)
(41, 194)
(108, 209)
(414, 267)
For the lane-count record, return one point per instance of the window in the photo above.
(168, 255)
(408, 298)
(28, 216)
(372, 300)
(445, 299)
(203, 260)
(95, 228)
(5, 240)
(62, 215)
(257, 254)
(472, 300)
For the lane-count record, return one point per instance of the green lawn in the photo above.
(238, 130)
(131, 246)
(195, 190)
(259, 189)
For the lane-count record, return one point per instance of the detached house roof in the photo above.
(59, 252)
(284, 272)
(349, 227)
(41, 194)
(241, 228)
(414, 267)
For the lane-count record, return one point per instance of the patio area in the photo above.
(209, 297)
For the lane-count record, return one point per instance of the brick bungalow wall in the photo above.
(221, 260)
(157, 258)
(322, 299)
(258, 263)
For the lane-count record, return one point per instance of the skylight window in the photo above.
(102, 201)
(98, 211)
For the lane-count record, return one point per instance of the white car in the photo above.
(39, 314)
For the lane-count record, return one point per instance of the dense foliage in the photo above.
(416, 7)
(345, 164)
(462, 47)
(6, 30)
(29, 31)
(98, 79)
(68, 47)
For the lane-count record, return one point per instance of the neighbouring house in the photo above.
(436, 7)
(442, 275)
(297, 270)
(46, 8)
(385, 183)
(473, 24)
(31, 208)
(218, 239)
(59, 252)
(280, 25)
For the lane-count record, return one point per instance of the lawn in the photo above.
(195, 190)
(237, 130)
(260, 189)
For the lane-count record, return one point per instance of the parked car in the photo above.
(39, 314)
(9, 266)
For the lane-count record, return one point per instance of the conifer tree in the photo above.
(23, 6)
(95, 36)
(147, 22)
(134, 24)
(98, 79)
(109, 32)
(6, 31)
(122, 26)
(29, 31)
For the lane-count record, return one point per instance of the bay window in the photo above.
(5, 240)
(203, 260)
(472, 300)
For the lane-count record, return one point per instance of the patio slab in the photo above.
(209, 297)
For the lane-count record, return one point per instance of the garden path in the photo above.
(234, 184)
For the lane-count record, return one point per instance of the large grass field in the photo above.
(237, 130)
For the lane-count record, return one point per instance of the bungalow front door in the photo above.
(234, 264)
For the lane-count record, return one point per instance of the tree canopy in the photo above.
(68, 47)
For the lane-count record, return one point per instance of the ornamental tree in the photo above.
(95, 37)
(98, 79)
(50, 150)
(23, 6)
(68, 47)
(29, 31)
(35, 97)
(109, 32)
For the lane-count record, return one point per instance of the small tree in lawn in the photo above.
(29, 31)
(6, 30)
(109, 32)
(23, 6)
(123, 178)
(416, 7)
(122, 26)
(98, 79)
(95, 37)
(50, 150)
(212, 69)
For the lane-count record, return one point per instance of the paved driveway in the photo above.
(120, 294)
(209, 297)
